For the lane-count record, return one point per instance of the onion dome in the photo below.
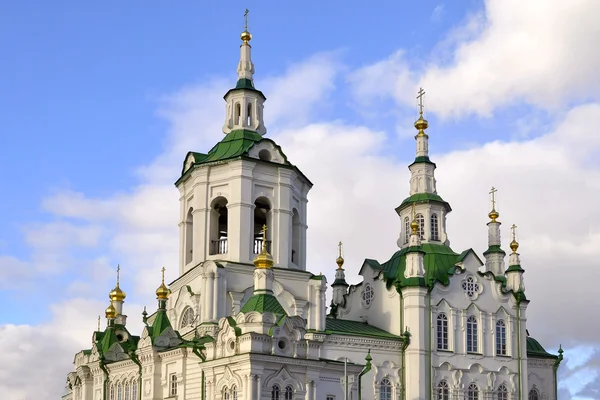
(117, 294)
(162, 293)
(264, 259)
(111, 312)
(340, 260)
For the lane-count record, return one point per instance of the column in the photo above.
(258, 387)
(215, 297)
(417, 361)
(209, 286)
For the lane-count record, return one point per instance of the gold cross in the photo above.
(98, 323)
(264, 233)
(163, 274)
(420, 97)
(414, 212)
(118, 269)
(340, 248)
(514, 231)
(246, 19)
(493, 193)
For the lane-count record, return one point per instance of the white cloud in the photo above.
(538, 52)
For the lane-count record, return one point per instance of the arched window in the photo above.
(249, 120)
(289, 393)
(238, 114)
(187, 318)
(385, 389)
(218, 226)
(119, 391)
(442, 332)
(226, 394)
(502, 392)
(189, 237)
(134, 390)
(127, 392)
(472, 392)
(173, 385)
(112, 392)
(421, 223)
(472, 345)
(275, 392)
(534, 394)
(296, 237)
(434, 227)
(262, 217)
(406, 229)
(234, 393)
(443, 391)
(500, 338)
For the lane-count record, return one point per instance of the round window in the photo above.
(367, 295)
(281, 344)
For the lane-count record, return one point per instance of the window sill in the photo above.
(503, 356)
(445, 351)
(171, 397)
(472, 353)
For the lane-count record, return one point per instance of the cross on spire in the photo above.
(98, 323)
(118, 270)
(246, 19)
(340, 248)
(513, 228)
(493, 193)
(163, 274)
(420, 97)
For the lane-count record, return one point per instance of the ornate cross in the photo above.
(264, 233)
(163, 274)
(246, 19)
(414, 212)
(340, 248)
(420, 97)
(118, 270)
(513, 228)
(493, 193)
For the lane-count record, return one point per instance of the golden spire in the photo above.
(117, 294)
(340, 260)
(110, 312)
(421, 124)
(162, 293)
(246, 36)
(514, 245)
(493, 214)
(414, 225)
(264, 259)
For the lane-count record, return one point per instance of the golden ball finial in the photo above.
(421, 124)
(493, 215)
(246, 36)
(264, 259)
(340, 260)
(414, 226)
(110, 312)
(162, 293)
(514, 245)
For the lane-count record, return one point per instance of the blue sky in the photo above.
(100, 99)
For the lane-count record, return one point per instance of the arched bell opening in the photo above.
(295, 256)
(189, 237)
(218, 226)
(262, 217)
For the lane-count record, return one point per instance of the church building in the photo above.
(247, 320)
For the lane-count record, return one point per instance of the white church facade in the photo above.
(246, 319)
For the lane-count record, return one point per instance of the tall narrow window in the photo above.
(472, 345)
(421, 223)
(112, 392)
(189, 237)
(134, 390)
(249, 120)
(234, 394)
(472, 392)
(442, 332)
(289, 393)
(275, 392)
(443, 391)
(173, 385)
(385, 389)
(226, 394)
(238, 114)
(406, 229)
(502, 393)
(218, 226)
(500, 338)
(127, 392)
(534, 394)
(119, 391)
(296, 225)
(434, 227)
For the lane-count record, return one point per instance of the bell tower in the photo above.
(243, 183)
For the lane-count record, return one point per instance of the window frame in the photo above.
(443, 323)
(501, 343)
(442, 390)
(472, 334)
(472, 391)
(385, 388)
(434, 228)
(173, 384)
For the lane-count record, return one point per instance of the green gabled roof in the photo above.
(245, 84)
(439, 262)
(494, 249)
(356, 328)
(422, 159)
(108, 338)
(160, 324)
(423, 198)
(263, 303)
(535, 349)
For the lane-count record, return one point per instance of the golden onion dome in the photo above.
(117, 294)
(111, 312)
(514, 245)
(339, 261)
(264, 259)
(246, 36)
(162, 293)
(493, 215)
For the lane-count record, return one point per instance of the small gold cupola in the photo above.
(421, 124)
(162, 293)
(110, 312)
(246, 36)
(117, 294)
(493, 214)
(264, 259)
(514, 245)
(340, 260)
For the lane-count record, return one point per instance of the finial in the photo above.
(98, 323)
(162, 293)
(246, 36)
(264, 259)
(414, 225)
(493, 214)
(340, 260)
(514, 245)
(117, 294)
(110, 312)
(145, 316)
(421, 124)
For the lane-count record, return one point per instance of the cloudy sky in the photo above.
(100, 101)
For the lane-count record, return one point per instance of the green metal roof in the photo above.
(423, 198)
(535, 349)
(263, 303)
(160, 324)
(356, 328)
(439, 262)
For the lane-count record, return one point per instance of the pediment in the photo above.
(267, 150)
